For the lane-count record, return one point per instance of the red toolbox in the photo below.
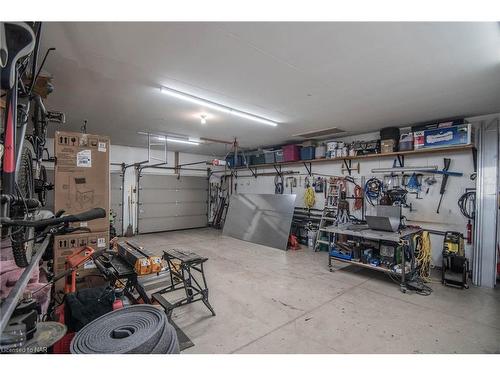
(291, 153)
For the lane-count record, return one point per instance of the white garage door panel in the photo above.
(149, 181)
(172, 223)
(155, 196)
(167, 203)
(151, 210)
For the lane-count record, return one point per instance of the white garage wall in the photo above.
(424, 210)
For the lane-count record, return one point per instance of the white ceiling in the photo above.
(306, 76)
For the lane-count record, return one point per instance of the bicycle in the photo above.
(24, 178)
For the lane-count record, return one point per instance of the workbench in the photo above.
(401, 238)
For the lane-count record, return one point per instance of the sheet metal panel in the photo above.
(167, 203)
(260, 218)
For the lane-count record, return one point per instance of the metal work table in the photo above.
(401, 237)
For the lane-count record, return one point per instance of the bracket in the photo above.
(254, 173)
(309, 169)
(347, 166)
(401, 160)
(278, 171)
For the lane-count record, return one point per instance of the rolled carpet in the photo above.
(139, 329)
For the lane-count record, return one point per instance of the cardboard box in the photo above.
(82, 175)
(68, 244)
(387, 146)
(448, 136)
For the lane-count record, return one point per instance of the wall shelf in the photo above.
(397, 154)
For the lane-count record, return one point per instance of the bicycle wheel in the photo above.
(22, 249)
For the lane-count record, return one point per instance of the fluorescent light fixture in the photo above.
(215, 106)
(185, 141)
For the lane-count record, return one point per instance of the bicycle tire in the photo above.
(21, 250)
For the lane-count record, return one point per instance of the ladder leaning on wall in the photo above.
(330, 211)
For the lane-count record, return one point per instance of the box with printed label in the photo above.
(68, 244)
(82, 175)
(448, 136)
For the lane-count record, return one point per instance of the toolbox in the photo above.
(334, 252)
(291, 153)
(307, 153)
(448, 136)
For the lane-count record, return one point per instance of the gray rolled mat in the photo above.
(140, 329)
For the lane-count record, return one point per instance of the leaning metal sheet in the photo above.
(260, 218)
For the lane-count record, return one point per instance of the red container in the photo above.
(291, 153)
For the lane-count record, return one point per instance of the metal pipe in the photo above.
(405, 169)
(9, 304)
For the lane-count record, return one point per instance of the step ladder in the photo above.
(330, 211)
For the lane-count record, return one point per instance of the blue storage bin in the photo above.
(307, 153)
(230, 161)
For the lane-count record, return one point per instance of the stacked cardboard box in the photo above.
(81, 183)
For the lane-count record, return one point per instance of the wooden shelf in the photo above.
(423, 151)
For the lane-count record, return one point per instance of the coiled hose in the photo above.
(423, 248)
(309, 197)
(373, 189)
(139, 329)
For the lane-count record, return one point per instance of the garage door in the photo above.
(167, 203)
(116, 201)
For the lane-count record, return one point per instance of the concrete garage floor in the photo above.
(271, 301)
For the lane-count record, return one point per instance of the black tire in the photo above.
(22, 250)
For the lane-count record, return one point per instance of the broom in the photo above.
(129, 232)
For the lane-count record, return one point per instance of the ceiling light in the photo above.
(217, 107)
(177, 140)
(203, 119)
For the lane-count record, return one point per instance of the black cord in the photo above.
(467, 203)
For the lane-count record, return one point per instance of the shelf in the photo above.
(423, 151)
(364, 265)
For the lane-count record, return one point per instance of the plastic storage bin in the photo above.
(257, 158)
(291, 153)
(230, 161)
(278, 156)
(269, 157)
(307, 153)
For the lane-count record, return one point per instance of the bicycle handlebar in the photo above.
(95, 213)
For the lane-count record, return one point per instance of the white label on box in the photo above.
(83, 224)
(84, 159)
(101, 147)
(89, 264)
(101, 242)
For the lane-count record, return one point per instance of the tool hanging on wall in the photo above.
(467, 205)
(291, 182)
(373, 189)
(447, 163)
(309, 197)
(318, 185)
